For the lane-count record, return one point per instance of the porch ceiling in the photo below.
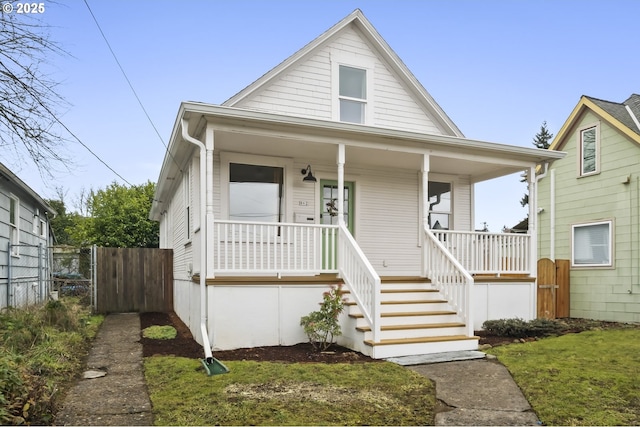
(476, 167)
(256, 132)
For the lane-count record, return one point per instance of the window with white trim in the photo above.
(592, 244)
(42, 228)
(589, 150)
(439, 205)
(186, 179)
(352, 94)
(14, 224)
(256, 192)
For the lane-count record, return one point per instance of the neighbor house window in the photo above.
(14, 225)
(439, 205)
(592, 244)
(255, 192)
(352, 94)
(589, 150)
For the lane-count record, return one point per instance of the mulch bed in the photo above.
(185, 346)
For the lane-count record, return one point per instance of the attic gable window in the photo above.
(352, 94)
(589, 151)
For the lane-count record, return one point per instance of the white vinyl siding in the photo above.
(386, 219)
(306, 89)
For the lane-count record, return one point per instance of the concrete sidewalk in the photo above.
(469, 392)
(477, 392)
(115, 393)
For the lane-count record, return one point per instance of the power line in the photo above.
(89, 150)
(104, 37)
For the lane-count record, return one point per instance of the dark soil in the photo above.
(185, 346)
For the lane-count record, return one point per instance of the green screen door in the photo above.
(329, 215)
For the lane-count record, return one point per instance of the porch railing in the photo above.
(274, 248)
(360, 277)
(450, 277)
(488, 253)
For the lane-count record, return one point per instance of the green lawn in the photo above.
(268, 393)
(590, 378)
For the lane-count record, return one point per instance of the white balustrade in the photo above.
(488, 253)
(255, 248)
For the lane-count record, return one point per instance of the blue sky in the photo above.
(497, 68)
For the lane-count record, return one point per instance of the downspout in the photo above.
(551, 207)
(203, 239)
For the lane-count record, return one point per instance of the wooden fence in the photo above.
(134, 280)
(553, 288)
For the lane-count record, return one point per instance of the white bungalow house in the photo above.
(338, 166)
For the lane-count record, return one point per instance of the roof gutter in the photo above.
(203, 240)
(361, 131)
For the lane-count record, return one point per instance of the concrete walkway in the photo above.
(476, 393)
(470, 389)
(114, 392)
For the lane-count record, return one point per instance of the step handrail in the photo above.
(361, 279)
(450, 278)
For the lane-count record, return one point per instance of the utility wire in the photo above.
(129, 83)
(89, 150)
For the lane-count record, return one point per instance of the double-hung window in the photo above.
(589, 150)
(14, 225)
(592, 244)
(439, 205)
(186, 177)
(352, 94)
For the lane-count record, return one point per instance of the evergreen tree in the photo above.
(540, 140)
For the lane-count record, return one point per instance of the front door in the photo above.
(329, 203)
(329, 215)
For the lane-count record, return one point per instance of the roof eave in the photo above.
(24, 187)
(583, 104)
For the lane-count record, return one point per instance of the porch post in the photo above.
(424, 172)
(425, 191)
(340, 161)
(533, 221)
(208, 185)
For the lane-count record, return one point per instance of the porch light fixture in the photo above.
(309, 177)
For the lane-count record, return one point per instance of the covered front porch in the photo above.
(384, 203)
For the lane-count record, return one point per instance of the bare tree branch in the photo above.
(28, 98)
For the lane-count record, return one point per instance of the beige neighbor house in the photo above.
(338, 166)
(589, 208)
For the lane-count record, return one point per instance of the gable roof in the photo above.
(624, 116)
(385, 52)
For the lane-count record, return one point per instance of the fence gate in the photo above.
(134, 280)
(553, 288)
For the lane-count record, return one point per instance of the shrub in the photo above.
(518, 328)
(322, 326)
(41, 349)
